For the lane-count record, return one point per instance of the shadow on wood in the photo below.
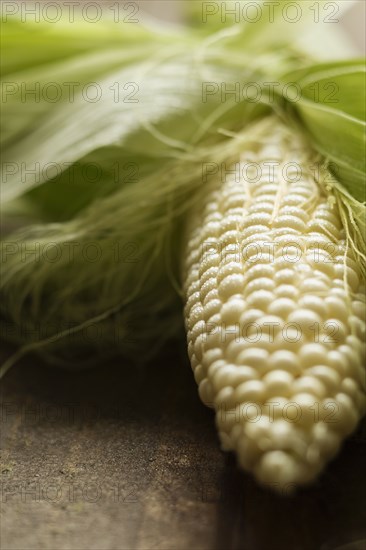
(128, 458)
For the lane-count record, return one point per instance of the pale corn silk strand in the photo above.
(54, 308)
(274, 311)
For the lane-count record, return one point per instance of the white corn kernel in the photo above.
(275, 317)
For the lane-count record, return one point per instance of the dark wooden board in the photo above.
(128, 458)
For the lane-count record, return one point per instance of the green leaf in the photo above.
(168, 133)
(332, 111)
(339, 85)
(33, 44)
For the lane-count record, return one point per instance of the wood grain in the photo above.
(128, 458)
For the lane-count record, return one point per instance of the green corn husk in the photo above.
(90, 265)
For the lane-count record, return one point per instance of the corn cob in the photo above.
(274, 313)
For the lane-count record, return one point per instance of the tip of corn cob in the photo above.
(276, 343)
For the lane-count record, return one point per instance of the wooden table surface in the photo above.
(128, 458)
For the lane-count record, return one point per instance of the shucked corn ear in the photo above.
(275, 313)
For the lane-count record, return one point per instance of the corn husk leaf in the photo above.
(332, 110)
(92, 267)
